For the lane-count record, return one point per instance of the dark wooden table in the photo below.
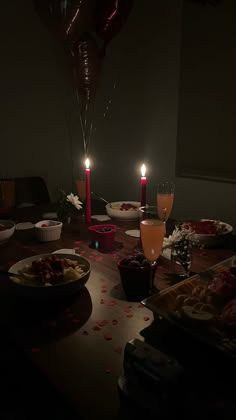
(79, 345)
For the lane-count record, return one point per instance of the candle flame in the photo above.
(87, 163)
(143, 170)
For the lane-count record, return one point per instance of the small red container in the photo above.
(103, 235)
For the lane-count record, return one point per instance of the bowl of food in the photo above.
(49, 276)
(208, 232)
(102, 235)
(123, 210)
(7, 228)
(48, 230)
(136, 276)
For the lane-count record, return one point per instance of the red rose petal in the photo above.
(114, 322)
(118, 349)
(69, 315)
(140, 306)
(128, 306)
(76, 321)
(146, 318)
(99, 259)
(107, 336)
(82, 252)
(129, 315)
(102, 301)
(76, 248)
(67, 310)
(77, 242)
(112, 303)
(35, 350)
(96, 328)
(127, 310)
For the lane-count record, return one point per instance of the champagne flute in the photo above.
(165, 199)
(152, 231)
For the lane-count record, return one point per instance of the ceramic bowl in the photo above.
(213, 240)
(42, 292)
(122, 210)
(7, 229)
(48, 230)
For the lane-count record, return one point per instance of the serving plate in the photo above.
(163, 304)
(113, 210)
(54, 292)
(212, 239)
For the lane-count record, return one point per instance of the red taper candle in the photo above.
(143, 186)
(88, 192)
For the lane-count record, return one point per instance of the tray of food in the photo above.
(203, 305)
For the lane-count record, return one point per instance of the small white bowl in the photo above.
(113, 210)
(8, 232)
(48, 230)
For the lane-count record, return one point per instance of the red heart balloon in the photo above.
(79, 17)
(111, 16)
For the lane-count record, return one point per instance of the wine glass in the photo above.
(165, 199)
(152, 231)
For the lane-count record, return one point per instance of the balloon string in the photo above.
(81, 122)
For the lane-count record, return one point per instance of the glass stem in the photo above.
(152, 288)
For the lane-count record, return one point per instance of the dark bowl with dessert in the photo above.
(137, 276)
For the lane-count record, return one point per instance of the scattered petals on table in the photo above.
(146, 318)
(102, 301)
(99, 259)
(140, 306)
(129, 316)
(114, 322)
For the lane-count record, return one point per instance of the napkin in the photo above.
(134, 232)
(100, 217)
(50, 215)
(24, 226)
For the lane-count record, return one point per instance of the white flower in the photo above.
(74, 200)
(177, 235)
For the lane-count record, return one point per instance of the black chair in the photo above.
(30, 191)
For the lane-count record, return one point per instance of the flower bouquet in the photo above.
(180, 243)
(66, 205)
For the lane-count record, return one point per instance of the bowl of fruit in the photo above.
(209, 233)
(137, 276)
(123, 210)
